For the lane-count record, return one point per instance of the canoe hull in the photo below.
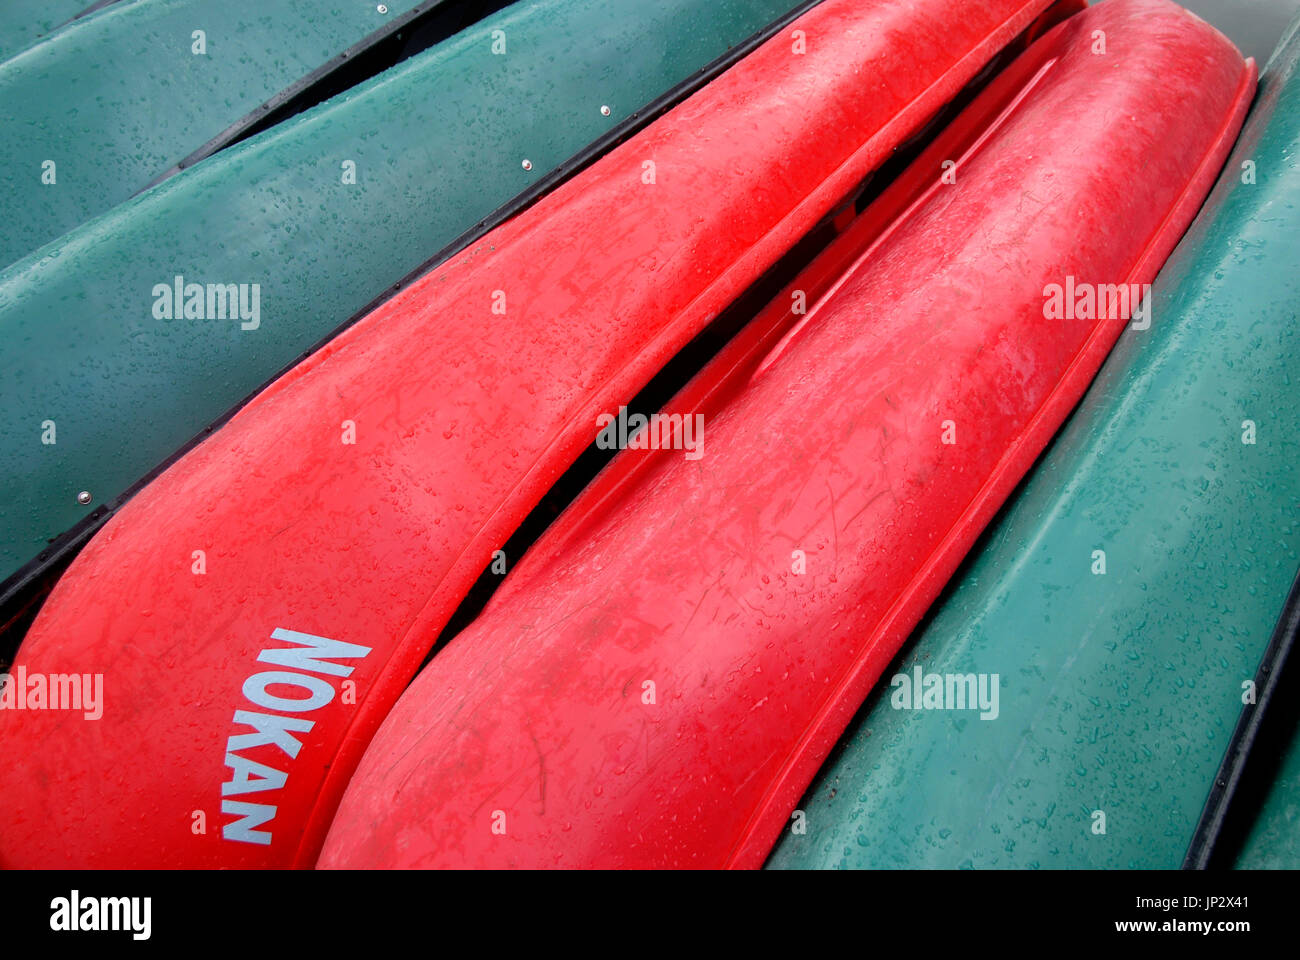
(659, 679)
(354, 502)
(1128, 593)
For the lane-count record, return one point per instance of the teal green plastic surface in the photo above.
(1117, 691)
(97, 112)
(24, 21)
(435, 145)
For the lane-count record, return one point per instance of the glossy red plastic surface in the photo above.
(657, 682)
(462, 416)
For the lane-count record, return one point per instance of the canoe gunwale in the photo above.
(245, 124)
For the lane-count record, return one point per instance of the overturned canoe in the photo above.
(24, 21)
(111, 103)
(660, 677)
(1130, 590)
(322, 537)
(132, 335)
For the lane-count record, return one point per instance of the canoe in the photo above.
(115, 101)
(662, 674)
(22, 22)
(1130, 590)
(320, 540)
(104, 341)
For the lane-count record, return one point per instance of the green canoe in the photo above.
(108, 374)
(1117, 692)
(112, 102)
(24, 21)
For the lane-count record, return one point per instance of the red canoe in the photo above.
(659, 679)
(257, 610)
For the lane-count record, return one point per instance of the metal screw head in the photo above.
(83, 497)
(528, 164)
(382, 8)
(604, 111)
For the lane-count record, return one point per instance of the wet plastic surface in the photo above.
(126, 389)
(1119, 690)
(461, 416)
(115, 100)
(22, 22)
(1273, 841)
(659, 679)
